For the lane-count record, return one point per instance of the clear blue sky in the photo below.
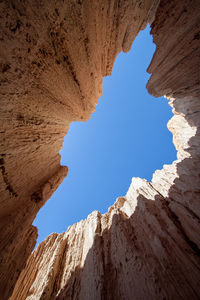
(126, 137)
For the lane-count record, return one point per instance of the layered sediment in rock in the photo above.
(53, 58)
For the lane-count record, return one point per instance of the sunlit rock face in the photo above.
(53, 58)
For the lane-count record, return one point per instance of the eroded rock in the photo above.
(53, 58)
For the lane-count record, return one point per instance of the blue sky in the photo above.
(126, 137)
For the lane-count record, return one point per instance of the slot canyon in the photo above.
(54, 55)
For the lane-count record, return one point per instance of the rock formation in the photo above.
(53, 58)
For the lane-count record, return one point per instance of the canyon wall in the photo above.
(53, 58)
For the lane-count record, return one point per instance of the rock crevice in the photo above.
(53, 59)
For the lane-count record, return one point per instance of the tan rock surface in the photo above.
(53, 58)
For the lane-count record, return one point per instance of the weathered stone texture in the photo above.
(53, 58)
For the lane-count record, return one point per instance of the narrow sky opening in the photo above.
(126, 137)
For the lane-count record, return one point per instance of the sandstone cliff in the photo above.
(53, 58)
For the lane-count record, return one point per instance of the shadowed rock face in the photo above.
(53, 58)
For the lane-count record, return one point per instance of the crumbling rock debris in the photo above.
(53, 58)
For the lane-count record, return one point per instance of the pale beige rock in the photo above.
(53, 58)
